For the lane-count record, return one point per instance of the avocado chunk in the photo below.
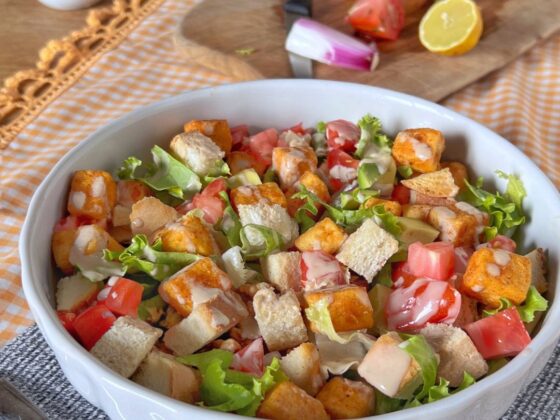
(246, 177)
(414, 230)
(378, 296)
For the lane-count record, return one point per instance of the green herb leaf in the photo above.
(259, 241)
(321, 127)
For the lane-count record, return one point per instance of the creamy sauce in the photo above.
(98, 188)
(493, 270)
(343, 173)
(501, 257)
(201, 294)
(321, 271)
(219, 319)
(421, 150)
(78, 199)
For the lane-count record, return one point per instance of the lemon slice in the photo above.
(451, 27)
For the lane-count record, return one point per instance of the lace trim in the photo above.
(62, 62)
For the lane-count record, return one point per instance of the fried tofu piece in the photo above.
(150, 214)
(267, 193)
(455, 226)
(349, 307)
(290, 163)
(287, 401)
(346, 399)
(434, 184)
(389, 205)
(92, 194)
(492, 274)
(417, 211)
(313, 183)
(217, 130)
(188, 234)
(419, 148)
(61, 244)
(282, 270)
(458, 171)
(193, 285)
(325, 236)
(303, 366)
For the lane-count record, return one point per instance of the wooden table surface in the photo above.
(26, 26)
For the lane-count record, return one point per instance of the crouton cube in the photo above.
(130, 191)
(492, 274)
(346, 399)
(457, 353)
(313, 183)
(274, 217)
(324, 236)
(349, 307)
(538, 269)
(121, 234)
(160, 372)
(61, 244)
(389, 205)
(391, 369)
(458, 171)
(303, 366)
(120, 216)
(217, 130)
(126, 344)
(282, 270)
(434, 184)
(198, 152)
(267, 193)
(419, 148)
(73, 293)
(238, 161)
(207, 322)
(279, 319)
(287, 401)
(193, 285)
(455, 226)
(149, 214)
(188, 234)
(367, 249)
(92, 194)
(290, 163)
(416, 211)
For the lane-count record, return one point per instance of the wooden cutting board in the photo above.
(213, 33)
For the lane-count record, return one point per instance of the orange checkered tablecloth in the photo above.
(521, 102)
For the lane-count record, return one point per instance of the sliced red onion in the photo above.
(322, 43)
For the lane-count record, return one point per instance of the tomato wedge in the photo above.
(381, 19)
(319, 270)
(435, 260)
(503, 242)
(238, 134)
(210, 202)
(425, 301)
(343, 168)
(67, 319)
(401, 194)
(250, 358)
(262, 144)
(91, 324)
(499, 335)
(401, 275)
(124, 297)
(342, 134)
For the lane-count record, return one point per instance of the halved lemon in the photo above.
(451, 27)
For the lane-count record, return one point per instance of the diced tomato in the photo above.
(435, 260)
(91, 324)
(499, 335)
(383, 19)
(424, 301)
(298, 129)
(210, 202)
(238, 134)
(503, 242)
(401, 194)
(462, 255)
(250, 358)
(319, 270)
(262, 144)
(342, 134)
(124, 297)
(343, 168)
(401, 275)
(67, 320)
(185, 207)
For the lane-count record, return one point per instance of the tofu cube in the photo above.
(346, 399)
(391, 369)
(417, 211)
(303, 366)
(61, 245)
(287, 401)
(274, 217)
(73, 293)
(161, 373)
(457, 353)
(290, 163)
(324, 236)
(279, 319)
(313, 183)
(198, 152)
(282, 270)
(267, 193)
(195, 284)
(349, 307)
(92, 194)
(150, 214)
(495, 273)
(458, 171)
(188, 234)
(455, 226)
(126, 344)
(419, 148)
(217, 130)
(208, 321)
(389, 205)
(367, 249)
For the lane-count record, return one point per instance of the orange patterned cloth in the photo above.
(521, 102)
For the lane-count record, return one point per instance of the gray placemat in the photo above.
(29, 364)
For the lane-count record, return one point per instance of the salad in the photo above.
(326, 272)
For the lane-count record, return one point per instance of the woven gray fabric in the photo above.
(29, 364)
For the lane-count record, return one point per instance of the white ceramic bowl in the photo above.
(281, 103)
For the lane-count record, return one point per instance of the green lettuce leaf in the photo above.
(504, 304)
(439, 391)
(385, 404)
(370, 133)
(418, 348)
(352, 200)
(384, 276)
(321, 127)
(95, 267)
(151, 310)
(165, 174)
(368, 174)
(534, 302)
(150, 259)
(304, 212)
(230, 224)
(268, 241)
(236, 268)
(515, 190)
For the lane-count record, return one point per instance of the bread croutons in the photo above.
(197, 151)
(303, 366)
(282, 270)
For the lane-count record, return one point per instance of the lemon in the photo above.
(451, 27)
